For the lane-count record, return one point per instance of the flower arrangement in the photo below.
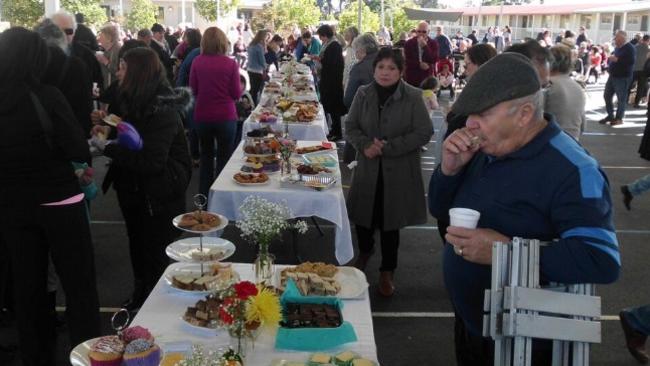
(263, 221)
(287, 146)
(247, 307)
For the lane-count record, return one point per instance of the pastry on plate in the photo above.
(106, 351)
(141, 352)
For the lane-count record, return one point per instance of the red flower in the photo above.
(245, 289)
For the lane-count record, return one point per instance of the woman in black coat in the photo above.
(150, 177)
(42, 208)
(331, 80)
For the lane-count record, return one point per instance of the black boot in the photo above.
(627, 197)
(362, 260)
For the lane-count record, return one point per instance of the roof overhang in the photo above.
(433, 14)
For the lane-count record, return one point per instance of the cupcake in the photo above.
(130, 334)
(106, 351)
(141, 352)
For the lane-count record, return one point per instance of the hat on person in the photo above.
(505, 77)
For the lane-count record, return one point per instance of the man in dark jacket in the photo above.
(621, 65)
(159, 44)
(420, 54)
(331, 80)
(66, 22)
(472, 37)
(84, 35)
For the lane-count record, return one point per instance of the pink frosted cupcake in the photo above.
(141, 352)
(130, 334)
(106, 351)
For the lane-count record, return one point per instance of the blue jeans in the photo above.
(640, 185)
(620, 87)
(224, 133)
(640, 319)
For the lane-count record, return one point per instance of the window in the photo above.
(633, 20)
(565, 21)
(161, 14)
(606, 19)
(585, 21)
(644, 23)
(546, 20)
(524, 21)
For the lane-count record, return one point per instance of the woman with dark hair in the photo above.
(387, 124)
(42, 208)
(150, 164)
(193, 39)
(330, 80)
(214, 79)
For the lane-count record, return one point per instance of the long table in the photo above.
(226, 196)
(165, 306)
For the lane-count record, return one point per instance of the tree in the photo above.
(24, 13)
(142, 15)
(369, 19)
(282, 15)
(208, 8)
(91, 10)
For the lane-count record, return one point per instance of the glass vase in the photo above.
(242, 339)
(285, 167)
(264, 266)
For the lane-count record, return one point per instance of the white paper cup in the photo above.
(464, 217)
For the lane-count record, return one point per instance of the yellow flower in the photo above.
(264, 308)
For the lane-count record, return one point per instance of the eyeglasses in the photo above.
(68, 31)
(421, 31)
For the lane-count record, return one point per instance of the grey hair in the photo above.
(52, 34)
(536, 99)
(111, 31)
(622, 33)
(62, 14)
(366, 42)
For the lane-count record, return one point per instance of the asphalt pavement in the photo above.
(415, 326)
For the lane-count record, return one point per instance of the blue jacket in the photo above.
(549, 189)
(184, 71)
(625, 65)
(256, 60)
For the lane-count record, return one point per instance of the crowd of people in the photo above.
(183, 96)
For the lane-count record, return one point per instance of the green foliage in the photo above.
(91, 10)
(142, 15)
(369, 19)
(208, 8)
(282, 15)
(24, 13)
(401, 23)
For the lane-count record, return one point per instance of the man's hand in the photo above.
(422, 41)
(374, 150)
(612, 58)
(457, 150)
(102, 59)
(474, 245)
(97, 116)
(424, 66)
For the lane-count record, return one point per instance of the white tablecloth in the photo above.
(162, 313)
(226, 196)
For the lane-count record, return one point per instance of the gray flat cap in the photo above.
(506, 77)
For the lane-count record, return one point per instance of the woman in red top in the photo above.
(594, 68)
(214, 79)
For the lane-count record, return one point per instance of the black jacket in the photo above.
(162, 169)
(88, 57)
(331, 79)
(69, 74)
(32, 173)
(165, 58)
(86, 37)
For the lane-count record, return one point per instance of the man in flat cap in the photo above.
(527, 178)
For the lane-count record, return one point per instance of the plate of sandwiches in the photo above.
(187, 278)
(189, 250)
(251, 179)
(320, 279)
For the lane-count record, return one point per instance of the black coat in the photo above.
(92, 65)
(161, 171)
(165, 59)
(86, 37)
(32, 173)
(331, 79)
(69, 74)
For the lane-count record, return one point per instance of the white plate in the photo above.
(181, 250)
(195, 268)
(223, 222)
(252, 184)
(204, 330)
(353, 282)
(79, 354)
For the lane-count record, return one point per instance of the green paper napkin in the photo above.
(312, 339)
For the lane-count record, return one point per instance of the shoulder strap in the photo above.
(44, 119)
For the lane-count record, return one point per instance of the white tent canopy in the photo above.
(432, 14)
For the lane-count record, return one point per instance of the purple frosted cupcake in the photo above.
(141, 352)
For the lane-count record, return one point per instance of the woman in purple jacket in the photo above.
(214, 79)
